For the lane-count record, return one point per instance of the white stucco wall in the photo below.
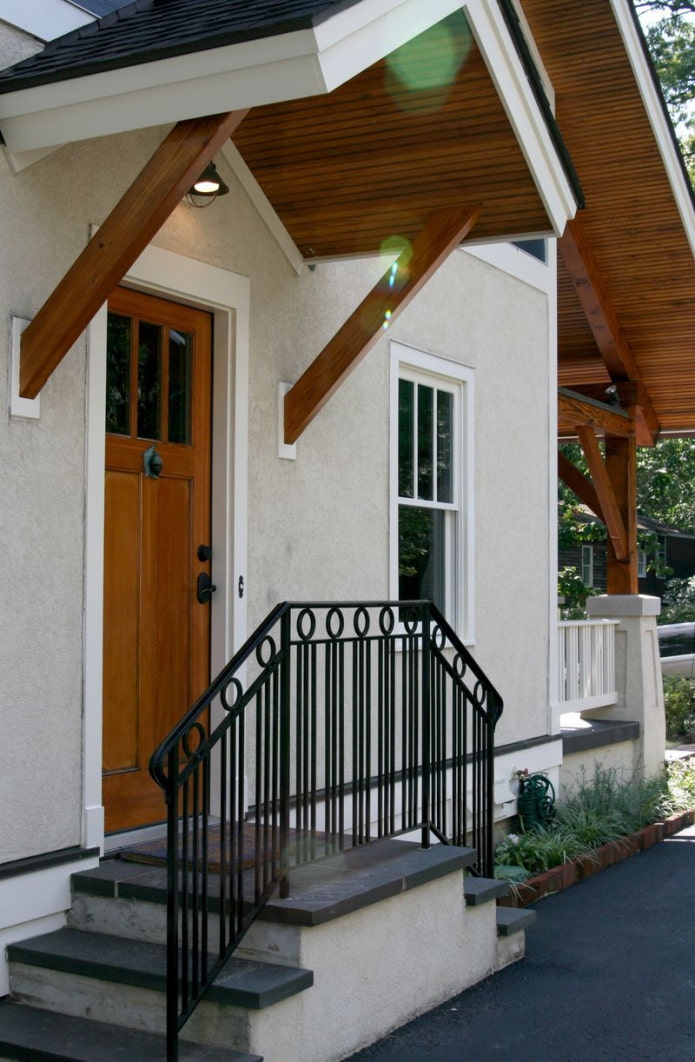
(318, 527)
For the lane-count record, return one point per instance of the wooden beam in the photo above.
(591, 288)
(443, 231)
(128, 229)
(621, 466)
(574, 410)
(582, 487)
(610, 512)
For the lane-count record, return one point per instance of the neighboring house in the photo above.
(186, 443)
(670, 555)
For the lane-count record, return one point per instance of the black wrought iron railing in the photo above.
(335, 725)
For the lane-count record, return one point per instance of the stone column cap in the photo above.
(617, 605)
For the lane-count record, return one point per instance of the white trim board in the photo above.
(44, 19)
(227, 296)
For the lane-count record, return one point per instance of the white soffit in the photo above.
(249, 74)
(660, 124)
(44, 19)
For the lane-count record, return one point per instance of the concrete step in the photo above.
(483, 890)
(511, 920)
(42, 1036)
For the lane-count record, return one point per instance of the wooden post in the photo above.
(621, 465)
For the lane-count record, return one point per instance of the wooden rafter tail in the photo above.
(136, 218)
(592, 291)
(575, 409)
(443, 231)
(608, 502)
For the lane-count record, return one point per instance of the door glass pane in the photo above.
(406, 417)
(421, 555)
(149, 380)
(118, 374)
(180, 349)
(445, 413)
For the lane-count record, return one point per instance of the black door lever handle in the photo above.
(205, 588)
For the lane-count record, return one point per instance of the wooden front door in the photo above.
(157, 539)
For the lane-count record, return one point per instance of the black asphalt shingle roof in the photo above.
(147, 30)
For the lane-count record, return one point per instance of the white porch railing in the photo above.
(586, 661)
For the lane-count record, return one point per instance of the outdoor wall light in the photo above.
(207, 188)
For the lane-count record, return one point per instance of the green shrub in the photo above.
(681, 784)
(540, 849)
(679, 702)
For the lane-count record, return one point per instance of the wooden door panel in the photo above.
(156, 633)
(121, 593)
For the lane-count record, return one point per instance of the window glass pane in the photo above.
(180, 348)
(445, 416)
(118, 374)
(425, 456)
(421, 555)
(149, 380)
(406, 419)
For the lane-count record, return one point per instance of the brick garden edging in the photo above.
(560, 878)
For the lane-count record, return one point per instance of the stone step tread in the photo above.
(320, 892)
(243, 982)
(512, 920)
(478, 891)
(42, 1036)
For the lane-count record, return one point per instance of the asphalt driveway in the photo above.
(609, 975)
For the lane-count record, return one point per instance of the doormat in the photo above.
(303, 847)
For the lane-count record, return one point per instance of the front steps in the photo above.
(367, 940)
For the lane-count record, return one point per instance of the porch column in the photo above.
(621, 466)
(637, 672)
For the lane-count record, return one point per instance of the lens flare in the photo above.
(421, 72)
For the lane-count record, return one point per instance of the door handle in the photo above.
(206, 588)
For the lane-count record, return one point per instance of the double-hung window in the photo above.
(432, 483)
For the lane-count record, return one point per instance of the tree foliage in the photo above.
(671, 41)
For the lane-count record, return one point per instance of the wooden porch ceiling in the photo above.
(407, 136)
(644, 262)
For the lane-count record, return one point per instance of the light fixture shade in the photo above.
(208, 186)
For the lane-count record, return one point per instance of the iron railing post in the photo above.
(172, 1017)
(285, 750)
(426, 726)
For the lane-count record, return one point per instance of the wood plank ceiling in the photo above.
(631, 218)
(419, 131)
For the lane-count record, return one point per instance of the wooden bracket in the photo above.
(610, 512)
(592, 291)
(444, 230)
(136, 218)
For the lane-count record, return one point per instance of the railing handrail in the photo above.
(598, 622)
(393, 732)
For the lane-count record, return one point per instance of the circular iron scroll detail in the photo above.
(199, 730)
(459, 665)
(331, 615)
(235, 685)
(306, 634)
(411, 620)
(479, 693)
(387, 621)
(361, 622)
(269, 643)
(438, 638)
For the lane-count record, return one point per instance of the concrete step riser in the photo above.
(129, 1006)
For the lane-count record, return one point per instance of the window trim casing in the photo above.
(424, 365)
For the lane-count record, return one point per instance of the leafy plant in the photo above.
(678, 602)
(575, 592)
(681, 784)
(679, 702)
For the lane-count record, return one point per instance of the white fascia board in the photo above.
(44, 19)
(660, 124)
(166, 91)
(528, 123)
(363, 34)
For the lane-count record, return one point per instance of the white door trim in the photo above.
(226, 296)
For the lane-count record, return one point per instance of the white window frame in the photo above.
(641, 564)
(434, 370)
(588, 565)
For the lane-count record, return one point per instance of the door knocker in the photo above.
(152, 462)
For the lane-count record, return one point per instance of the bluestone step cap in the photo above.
(42, 1036)
(512, 920)
(242, 982)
